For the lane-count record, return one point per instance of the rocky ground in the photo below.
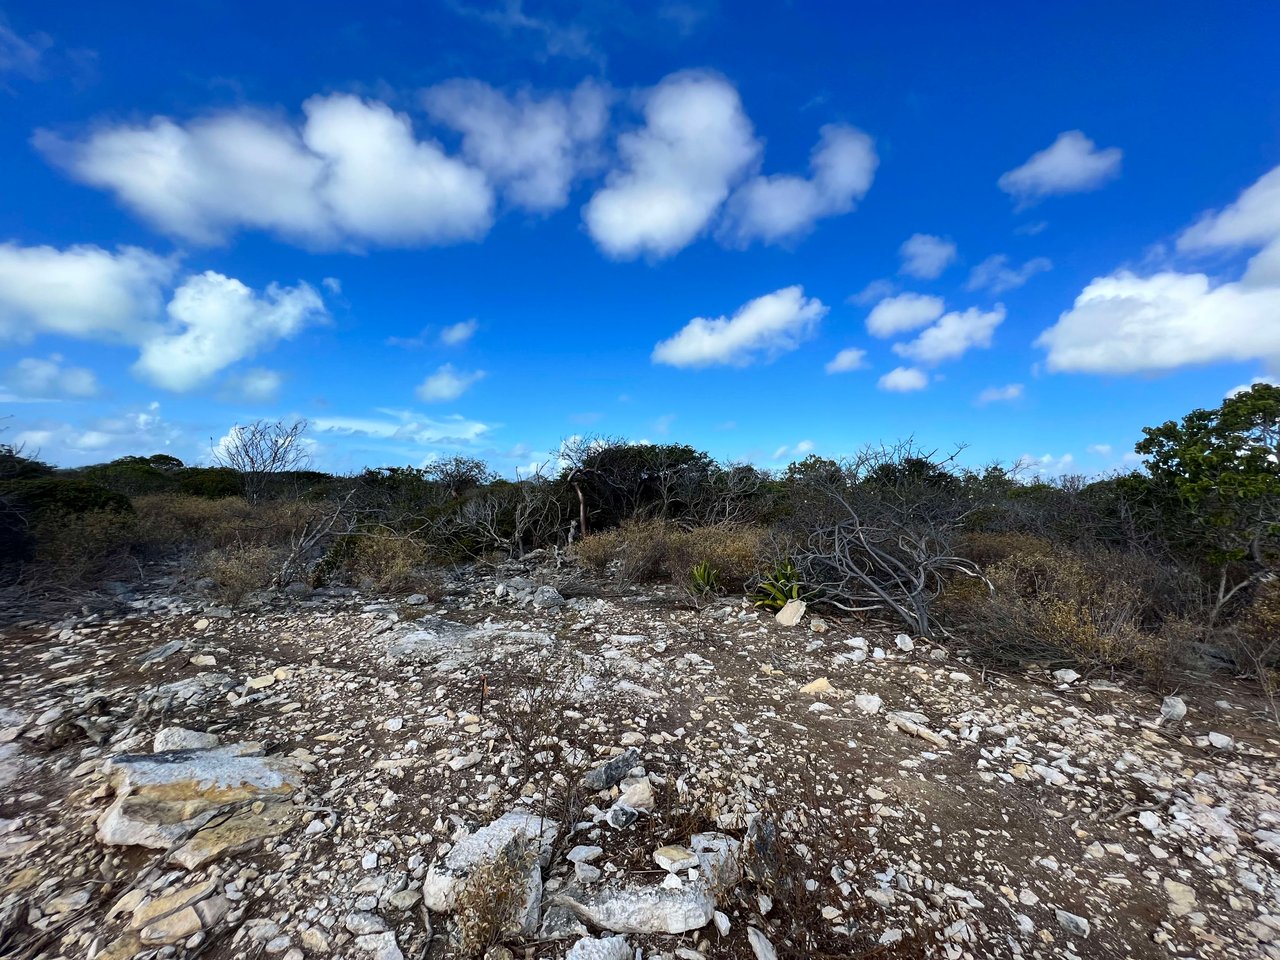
(496, 771)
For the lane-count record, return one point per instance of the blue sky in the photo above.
(764, 229)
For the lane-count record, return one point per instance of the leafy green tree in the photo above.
(1220, 470)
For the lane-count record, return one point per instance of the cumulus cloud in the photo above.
(447, 384)
(209, 322)
(850, 358)
(37, 378)
(532, 147)
(995, 273)
(353, 172)
(953, 335)
(257, 383)
(1012, 391)
(459, 333)
(81, 291)
(1246, 387)
(873, 291)
(907, 311)
(215, 321)
(926, 256)
(1126, 323)
(676, 170)
(404, 426)
(1101, 449)
(761, 329)
(1072, 164)
(100, 437)
(801, 449)
(781, 207)
(904, 380)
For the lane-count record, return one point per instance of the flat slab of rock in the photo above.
(791, 613)
(162, 798)
(611, 774)
(432, 639)
(643, 909)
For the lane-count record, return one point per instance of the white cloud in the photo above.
(781, 207)
(873, 291)
(404, 426)
(1046, 465)
(210, 322)
(904, 380)
(801, 449)
(995, 274)
(257, 384)
(135, 430)
(1101, 449)
(19, 54)
(953, 335)
(1246, 387)
(999, 394)
(36, 378)
(1072, 164)
(333, 285)
(216, 321)
(352, 172)
(907, 311)
(926, 256)
(850, 358)
(81, 291)
(447, 384)
(1125, 323)
(533, 147)
(676, 170)
(459, 333)
(1253, 220)
(763, 328)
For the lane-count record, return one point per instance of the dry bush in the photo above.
(1256, 643)
(392, 563)
(80, 549)
(657, 549)
(1098, 608)
(239, 570)
(985, 548)
(171, 522)
(488, 905)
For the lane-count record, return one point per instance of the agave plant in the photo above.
(705, 579)
(782, 585)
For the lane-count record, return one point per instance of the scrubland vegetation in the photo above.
(1156, 572)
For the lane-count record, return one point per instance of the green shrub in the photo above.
(704, 580)
(42, 497)
(211, 482)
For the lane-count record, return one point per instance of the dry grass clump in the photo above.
(392, 564)
(490, 903)
(239, 570)
(1099, 608)
(656, 549)
(174, 522)
(82, 549)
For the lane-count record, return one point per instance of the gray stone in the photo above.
(547, 597)
(791, 613)
(643, 909)
(1075, 925)
(517, 834)
(1173, 709)
(611, 774)
(180, 738)
(606, 948)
